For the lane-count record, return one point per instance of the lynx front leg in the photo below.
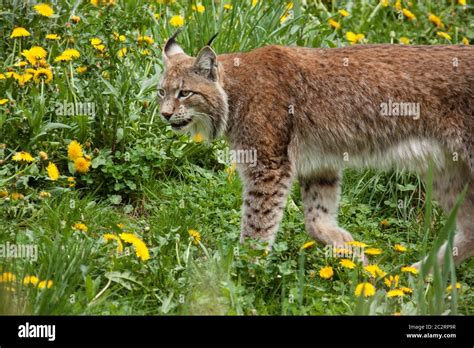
(265, 196)
(320, 194)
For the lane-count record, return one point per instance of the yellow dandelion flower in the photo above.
(384, 222)
(68, 55)
(385, 3)
(21, 64)
(71, 52)
(3, 194)
(53, 171)
(119, 37)
(62, 58)
(145, 39)
(44, 10)
(392, 280)
(443, 35)
(406, 290)
(326, 272)
(308, 245)
(465, 41)
(334, 24)
(398, 5)
(100, 48)
(75, 19)
(80, 227)
(405, 41)
(19, 32)
(45, 284)
(374, 271)
(283, 18)
(462, 2)
(109, 236)
(199, 8)
(195, 235)
(74, 150)
(141, 249)
(254, 3)
(2, 77)
(82, 165)
(399, 248)
(30, 280)
(23, 156)
(228, 6)
(81, 69)
(450, 287)
(343, 13)
(43, 74)
(177, 21)
(356, 244)
(23, 79)
(3, 101)
(7, 277)
(407, 13)
(347, 263)
(365, 289)
(435, 20)
(71, 181)
(44, 194)
(395, 293)
(53, 37)
(354, 38)
(43, 155)
(373, 251)
(122, 52)
(198, 137)
(409, 269)
(16, 196)
(95, 41)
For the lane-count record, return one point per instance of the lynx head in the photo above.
(191, 94)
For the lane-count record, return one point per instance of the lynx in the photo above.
(310, 112)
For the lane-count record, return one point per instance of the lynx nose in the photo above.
(166, 115)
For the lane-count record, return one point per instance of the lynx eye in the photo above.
(183, 94)
(161, 92)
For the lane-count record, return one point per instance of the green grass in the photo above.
(160, 185)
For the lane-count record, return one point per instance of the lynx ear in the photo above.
(171, 48)
(206, 64)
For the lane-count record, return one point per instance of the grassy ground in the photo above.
(149, 182)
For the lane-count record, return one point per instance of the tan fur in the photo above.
(311, 112)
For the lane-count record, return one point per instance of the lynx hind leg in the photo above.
(446, 187)
(320, 194)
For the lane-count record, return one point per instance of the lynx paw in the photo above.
(331, 235)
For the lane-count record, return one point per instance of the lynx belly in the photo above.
(413, 155)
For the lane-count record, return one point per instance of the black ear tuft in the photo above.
(171, 41)
(212, 39)
(171, 47)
